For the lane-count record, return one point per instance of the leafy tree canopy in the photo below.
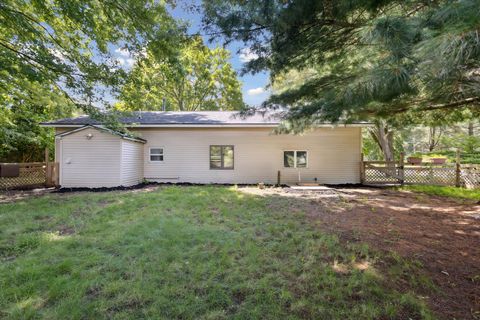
(200, 79)
(363, 58)
(21, 137)
(62, 48)
(56, 58)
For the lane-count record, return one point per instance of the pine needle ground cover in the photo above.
(189, 253)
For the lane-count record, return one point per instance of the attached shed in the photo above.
(95, 157)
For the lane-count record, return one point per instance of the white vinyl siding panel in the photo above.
(93, 163)
(333, 155)
(57, 142)
(132, 163)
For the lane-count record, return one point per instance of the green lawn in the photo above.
(189, 253)
(450, 192)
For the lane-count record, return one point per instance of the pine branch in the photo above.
(455, 104)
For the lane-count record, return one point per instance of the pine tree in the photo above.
(371, 58)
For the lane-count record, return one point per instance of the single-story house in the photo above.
(203, 147)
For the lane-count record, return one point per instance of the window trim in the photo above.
(221, 156)
(295, 158)
(150, 155)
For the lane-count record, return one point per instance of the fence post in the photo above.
(47, 154)
(457, 169)
(278, 178)
(362, 169)
(401, 169)
(56, 181)
(48, 173)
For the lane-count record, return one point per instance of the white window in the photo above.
(295, 159)
(156, 154)
(221, 157)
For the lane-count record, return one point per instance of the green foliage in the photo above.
(464, 142)
(370, 148)
(450, 192)
(465, 157)
(370, 58)
(55, 59)
(64, 46)
(193, 252)
(21, 137)
(200, 79)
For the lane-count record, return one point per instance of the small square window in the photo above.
(295, 159)
(156, 154)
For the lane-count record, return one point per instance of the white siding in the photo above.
(333, 155)
(57, 142)
(93, 163)
(132, 163)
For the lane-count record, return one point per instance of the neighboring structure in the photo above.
(203, 147)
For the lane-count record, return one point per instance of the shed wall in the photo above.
(132, 163)
(90, 163)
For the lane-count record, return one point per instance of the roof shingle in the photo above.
(180, 118)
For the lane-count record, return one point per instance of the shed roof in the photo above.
(116, 133)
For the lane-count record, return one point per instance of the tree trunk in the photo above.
(382, 134)
(470, 129)
(431, 139)
(435, 133)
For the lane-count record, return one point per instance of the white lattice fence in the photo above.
(470, 176)
(394, 172)
(30, 175)
(379, 172)
(445, 175)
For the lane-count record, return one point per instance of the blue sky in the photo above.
(253, 86)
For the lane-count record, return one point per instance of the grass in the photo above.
(443, 191)
(187, 253)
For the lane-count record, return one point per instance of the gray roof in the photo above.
(188, 118)
(180, 118)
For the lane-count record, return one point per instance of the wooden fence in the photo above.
(32, 175)
(399, 172)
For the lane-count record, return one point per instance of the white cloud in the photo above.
(256, 91)
(125, 58)
(246, 55)
(128, 62)
(123, 52)
(58, 54)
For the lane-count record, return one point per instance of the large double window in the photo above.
(295, 159)
(221, 157)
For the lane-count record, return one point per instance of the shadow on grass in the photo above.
(186, 252)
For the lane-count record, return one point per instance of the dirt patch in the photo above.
(18, 195)
(66, 230)
(443, 235)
